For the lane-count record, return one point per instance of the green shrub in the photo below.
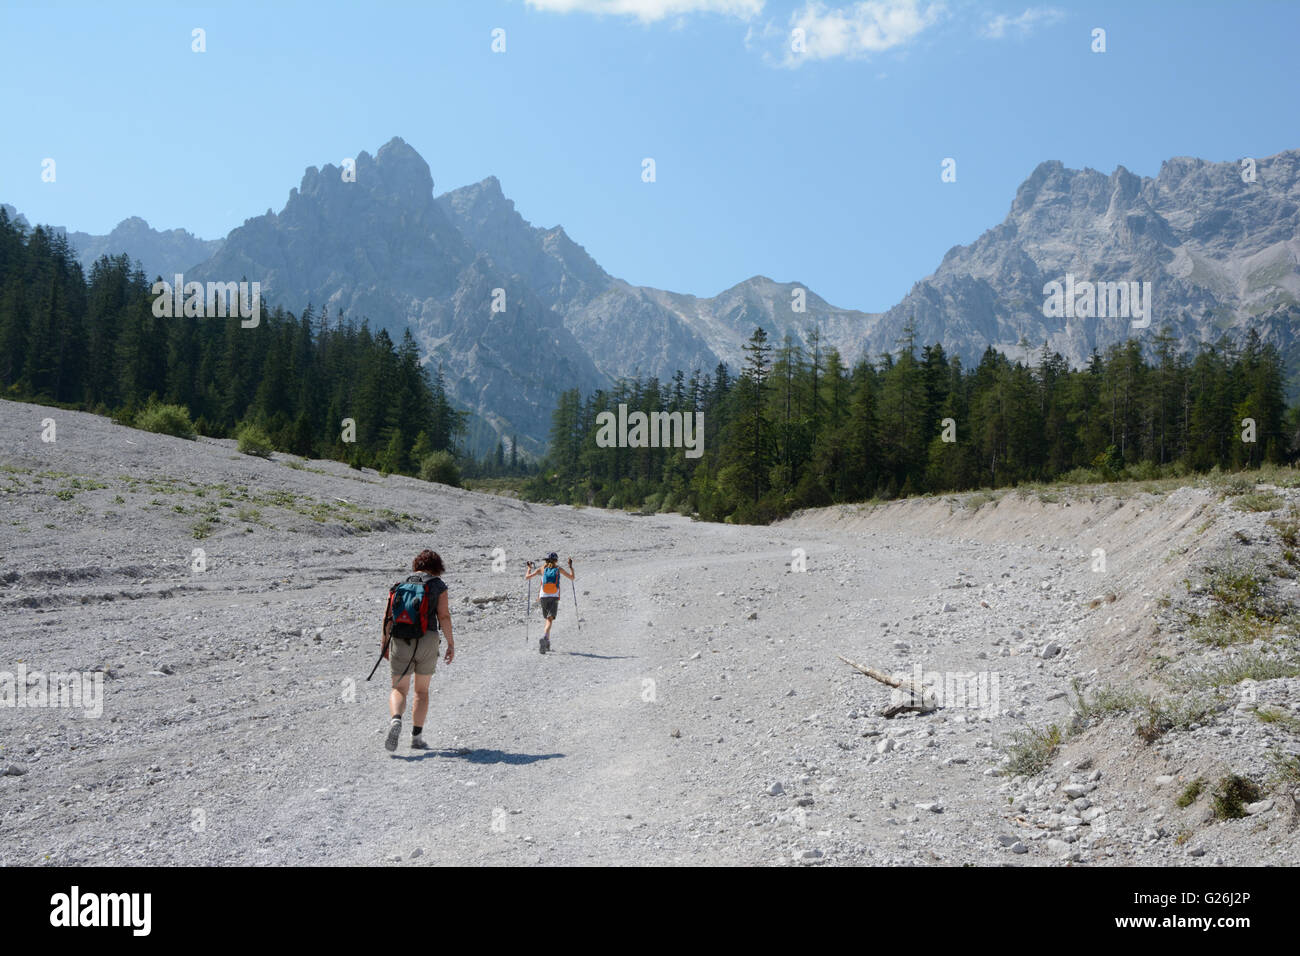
(253, 440)
(1192, 791)
(440, 468)
(166, 420)
(1231, 796)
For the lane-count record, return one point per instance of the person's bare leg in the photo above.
(420, 709)
(397, 699)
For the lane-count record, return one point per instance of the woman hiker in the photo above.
(548, 596)
(411, 642)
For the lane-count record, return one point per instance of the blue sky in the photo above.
(821, 167)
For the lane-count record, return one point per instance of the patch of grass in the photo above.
(1285, 777)
(1232, 483)
(1231, 795)
(1255, 666)
(1287, 527)
(1106, 702)
(977, 500)
(1158, 717)
(1259, 501)
(1275, 715)
(1032, 750)
(1242, 609)
(1190, 793)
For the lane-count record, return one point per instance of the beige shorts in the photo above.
(425, 651)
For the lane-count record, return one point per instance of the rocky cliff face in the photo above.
(1220, 254)
(383, 248)
(1216, 252)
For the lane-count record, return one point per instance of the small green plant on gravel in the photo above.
(1158, 717)
(1032, 750)
(1259, 501)
(977, 500)
(1190, 793)
(1287, 527)
(166, 420)
(1242, 611)
(1106, 702)
(1274, 715)
(1228, 485)
(1231, 795)
(1253, 666)
(1285, 777)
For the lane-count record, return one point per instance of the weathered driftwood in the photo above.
(911, 700)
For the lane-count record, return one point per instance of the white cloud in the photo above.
(650, 11)
(999, 26)
(857, 30)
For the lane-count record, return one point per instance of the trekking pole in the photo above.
(381, 657)
(575, 597)
(528, 601)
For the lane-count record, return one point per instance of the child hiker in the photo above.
(548, 595)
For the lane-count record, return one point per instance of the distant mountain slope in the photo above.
(382, 248)
(1220, 254)
(159, 252)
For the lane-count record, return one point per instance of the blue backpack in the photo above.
(413, 605)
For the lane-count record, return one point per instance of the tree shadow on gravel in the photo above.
(481, 756)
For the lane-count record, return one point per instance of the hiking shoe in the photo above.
(417, 742)
(394, 732)
(544, 645)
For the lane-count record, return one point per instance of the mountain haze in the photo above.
(1221, 254)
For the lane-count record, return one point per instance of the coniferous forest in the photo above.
(94, 343)
(799, 428)
(796, 427)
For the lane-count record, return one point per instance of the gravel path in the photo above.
(700, 715)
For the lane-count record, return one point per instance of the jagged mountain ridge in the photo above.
(1221, 255)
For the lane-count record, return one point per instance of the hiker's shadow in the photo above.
(599, 657)
(481, 756)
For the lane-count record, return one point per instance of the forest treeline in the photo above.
(93, 342)
(799, 428)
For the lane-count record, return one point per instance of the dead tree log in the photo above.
(912, 699)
